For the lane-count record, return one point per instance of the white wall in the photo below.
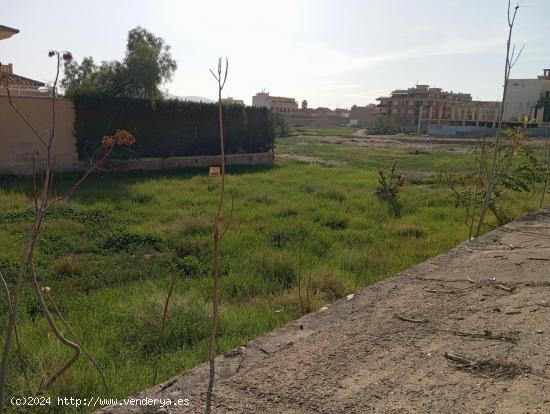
(261, 100)
(521, 97)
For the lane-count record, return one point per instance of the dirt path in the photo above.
(466, 332)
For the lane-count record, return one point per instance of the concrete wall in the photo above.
(522, 96)
(18, 142)
(477, 131)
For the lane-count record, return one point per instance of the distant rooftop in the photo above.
(6, 32)
(7, 76)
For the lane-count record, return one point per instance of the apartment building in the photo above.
(476, 113)
(523, 98)
(275, 103)
(421, 105)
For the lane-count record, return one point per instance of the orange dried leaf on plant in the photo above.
(107, 141)
(123, 137)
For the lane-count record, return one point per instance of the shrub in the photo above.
(329, 285)
(408, 230)
(68, 265)
(187, 324)
(261, 199)
(197, 225)
(336, 223)
(197, 246)
(241, 287)
(55, 244)
(189, 266)
(309, 189)
(276, 268)
(287, 212)
(143, 198)
(388, 188)
(333, 195)
(318, 245)
(283, 236)
(383, 125)
(123, 239)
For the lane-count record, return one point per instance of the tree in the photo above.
(382, 125)
(511, 60)
(147, 65)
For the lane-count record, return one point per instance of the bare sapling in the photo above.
(547, 168)
(389, 186)
(163, 323)
(511, 60)
(217, 234)
(44, 199)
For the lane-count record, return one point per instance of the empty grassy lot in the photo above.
(109, 255)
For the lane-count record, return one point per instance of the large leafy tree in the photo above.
(147, 65)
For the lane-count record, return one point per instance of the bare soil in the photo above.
(465, 332)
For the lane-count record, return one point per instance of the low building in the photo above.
(523, 97)
(275, 103)
(421, 105)
(231, 101)
(21, 150)
(318, 118)
(362, 116)
(20, 85)
(476, 113)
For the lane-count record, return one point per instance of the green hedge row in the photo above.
(169, 128)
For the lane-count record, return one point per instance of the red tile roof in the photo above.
(13, 79)
(8, 29)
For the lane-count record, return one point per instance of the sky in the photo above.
(331, 53)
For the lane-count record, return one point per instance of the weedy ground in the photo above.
(108, 255)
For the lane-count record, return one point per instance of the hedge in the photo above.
(169, 128)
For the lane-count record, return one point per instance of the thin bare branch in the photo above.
(163, 323)
(34, 189)
(74, 346)
(227, 225)
(213, 74)
(514, 60)
(68, 327)
(226, 71)
(19, 351)
(70, 191)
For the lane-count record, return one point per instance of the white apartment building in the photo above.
(274, 103)
(523, 97)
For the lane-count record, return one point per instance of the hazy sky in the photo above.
(332, 53)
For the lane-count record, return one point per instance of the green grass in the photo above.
(324, 132)
(108, 256)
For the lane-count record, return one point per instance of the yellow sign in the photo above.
(215, 171)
